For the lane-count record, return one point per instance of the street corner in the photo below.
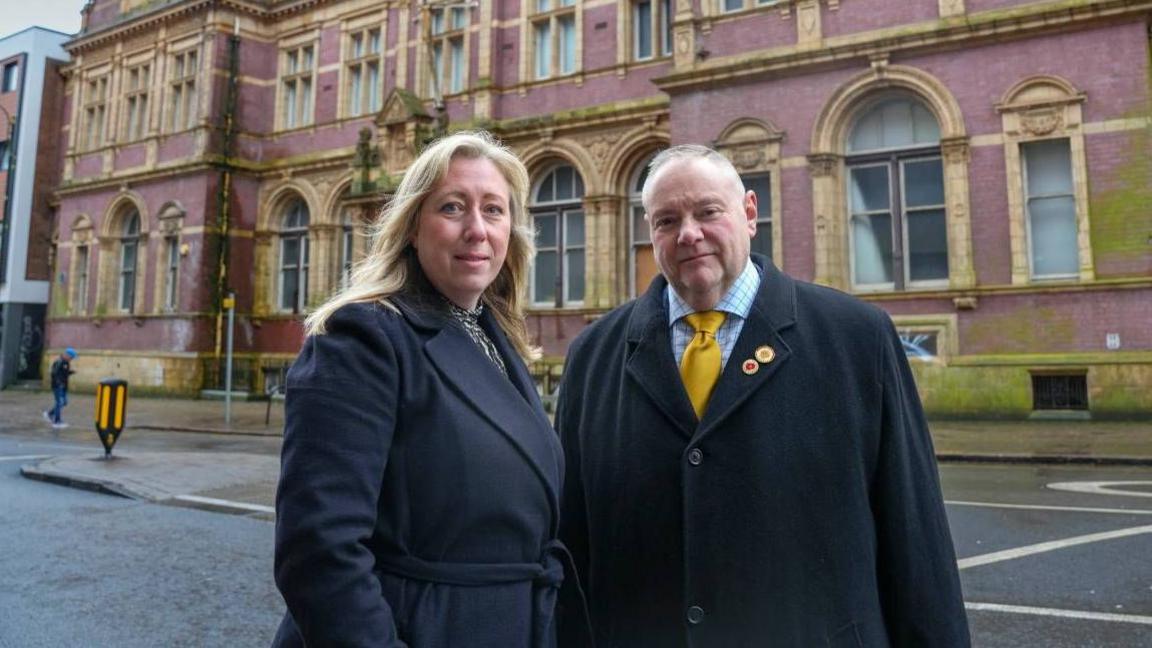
(191, 479)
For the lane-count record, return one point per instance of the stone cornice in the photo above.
(601, 115)
(986, 25)
(144, 21)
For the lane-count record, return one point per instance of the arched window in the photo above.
(642, 260)
(294, 257)
(896, 197)
(558, 215)
(129, 250)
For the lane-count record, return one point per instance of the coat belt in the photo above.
(546, 577)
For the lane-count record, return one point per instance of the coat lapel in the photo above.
(773, 310)
(650, 361)
(481, 385)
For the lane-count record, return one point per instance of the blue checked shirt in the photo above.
(736, 303)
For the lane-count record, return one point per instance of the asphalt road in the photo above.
(1048, 567)
(1040, 566)
(86, 569)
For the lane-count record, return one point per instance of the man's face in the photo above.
(702, 225)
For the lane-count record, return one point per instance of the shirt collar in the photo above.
(737, 301)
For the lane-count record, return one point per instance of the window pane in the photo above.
(1049, 167)
(290, 283)
(354, 91)
(869, 189)
(762, 185)
(762, 242)
(290, 252)
(642, 29)
(128, 257)
(546, 230)
(925, 130)
(897, 119)
(646, 270)
(373, 87)
(574, 269)
(543, 5)
(733, 5)
(927, 245)
(1053, 229)
(545, 269)
(543, 50)
(923, 183)
(641, 233)
(872, 259)
(563, 183)
(665, 27)
(573, 229)
(567, 44)
(457, 82)
(544, 193)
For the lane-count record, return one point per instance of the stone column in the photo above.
(601, 251)
(829, 220)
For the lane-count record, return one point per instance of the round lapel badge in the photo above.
(751, 366)
(765, 354)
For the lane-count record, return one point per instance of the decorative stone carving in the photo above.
(1042, 121)
(822, 165)
(746, 158)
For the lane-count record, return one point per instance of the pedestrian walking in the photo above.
(61, 371)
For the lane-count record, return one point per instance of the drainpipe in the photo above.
(224, 193)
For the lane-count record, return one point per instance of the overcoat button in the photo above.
(695, 614)
(695, 457)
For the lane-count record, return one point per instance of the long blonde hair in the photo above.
(391, 267)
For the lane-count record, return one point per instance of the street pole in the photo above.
(230, 304)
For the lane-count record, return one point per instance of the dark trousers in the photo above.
(61, 396)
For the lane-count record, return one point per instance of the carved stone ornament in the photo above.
(600, 147)
(746, 158)
(684, 42)
(822, 164)
(1042, 121)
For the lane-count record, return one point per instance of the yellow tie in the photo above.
(700, 366)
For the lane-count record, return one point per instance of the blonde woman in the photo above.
(418, 494)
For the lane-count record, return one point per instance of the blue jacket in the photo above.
(803, 510)
(418, 498)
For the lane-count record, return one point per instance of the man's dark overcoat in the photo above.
(803, 510)
(418, 498)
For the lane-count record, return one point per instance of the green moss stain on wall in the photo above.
(1121, 205)
(1120, 391)
(974, 392)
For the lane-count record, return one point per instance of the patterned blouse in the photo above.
(470, 321)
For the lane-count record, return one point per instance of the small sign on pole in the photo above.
(111, 402)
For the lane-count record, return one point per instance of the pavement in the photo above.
(244, 483)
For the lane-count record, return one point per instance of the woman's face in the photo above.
(462, 230)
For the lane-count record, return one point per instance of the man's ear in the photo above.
(750, 211)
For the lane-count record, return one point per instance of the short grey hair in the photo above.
(689, 152)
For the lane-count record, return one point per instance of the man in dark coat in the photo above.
(788, 499)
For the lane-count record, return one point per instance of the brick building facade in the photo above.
(978, 168)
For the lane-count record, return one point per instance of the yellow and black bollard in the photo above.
(111, 401)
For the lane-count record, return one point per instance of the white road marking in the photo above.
(244, 506)
(23, 457)
(1046, 507)
(1103, 488)
(1042, 547)
(1052, 612)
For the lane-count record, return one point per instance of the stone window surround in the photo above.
(444, 39)
(183, 88)
(108, 280)
(375, 21)
(1037, 108)
(78, 302)
(170, 225)
(136, 120)
(528, 41)
(626, 33)
(92, 118)
(827, 170)
(297, 43)
(753, 147)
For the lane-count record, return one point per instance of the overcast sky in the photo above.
(60, 15)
